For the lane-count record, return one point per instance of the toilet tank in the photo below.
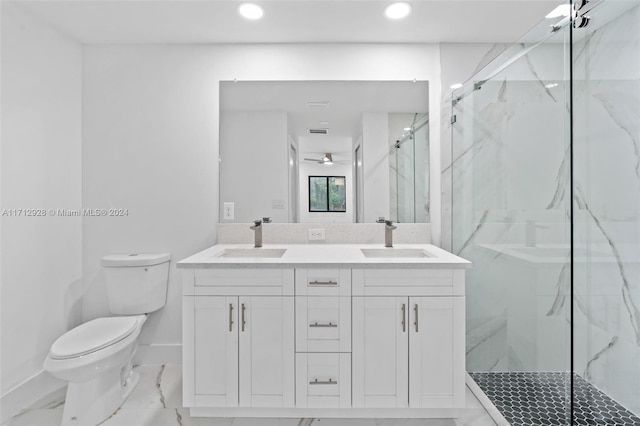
(136, 283)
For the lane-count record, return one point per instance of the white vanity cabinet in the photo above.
(341, 338)
(238, 334)
(408, 338)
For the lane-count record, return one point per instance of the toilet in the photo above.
(96, 357)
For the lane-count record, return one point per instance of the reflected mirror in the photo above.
(368, 139)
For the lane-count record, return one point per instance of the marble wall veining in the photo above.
(606, 103)
(509, 179)
(513, 169)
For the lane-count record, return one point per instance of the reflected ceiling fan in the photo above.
(327, 159)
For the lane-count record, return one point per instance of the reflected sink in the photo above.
(557, 252)
(252, 253)
(394, 253)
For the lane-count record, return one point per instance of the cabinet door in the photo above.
(215, 351)
(380, 352)
(436, 352)
(266, 351)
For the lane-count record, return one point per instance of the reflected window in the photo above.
(327, 194)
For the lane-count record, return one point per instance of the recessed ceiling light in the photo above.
(562, 10)
(398, 10)
(251, 11)
(456, 86)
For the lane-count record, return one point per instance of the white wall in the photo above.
(41, 262)
(250, 140)
(151, 140)
(375, 165)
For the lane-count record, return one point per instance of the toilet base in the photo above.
(90, 403)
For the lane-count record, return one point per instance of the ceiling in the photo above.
(342, 115)
(289, 21)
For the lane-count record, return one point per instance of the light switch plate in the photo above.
(228, 212)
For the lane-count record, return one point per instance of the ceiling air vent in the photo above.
(318, 131)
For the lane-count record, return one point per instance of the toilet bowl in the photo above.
(96, 358)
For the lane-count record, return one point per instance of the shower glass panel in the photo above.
(546, 203)
(606, 187)
(511, 217)
(409, 166)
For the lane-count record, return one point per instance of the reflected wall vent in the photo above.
(318, 131)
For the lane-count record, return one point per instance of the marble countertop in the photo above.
(325, 256)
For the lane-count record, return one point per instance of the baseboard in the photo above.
(27, 393)
(158, 354)
(486, 403)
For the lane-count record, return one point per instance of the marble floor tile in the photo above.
(157, 401)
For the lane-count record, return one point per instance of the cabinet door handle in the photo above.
(404, 318)
(244, 308)
(415, 310)
(324, 382)
(315, 324)
(230, 316)
(316, 282)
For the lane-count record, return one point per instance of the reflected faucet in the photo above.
(257, 227)
(388, 231)
(530, 232)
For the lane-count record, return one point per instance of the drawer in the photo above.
(408, 282)
(323, 380)
(323, 282)
(239, 282)
(323, 324)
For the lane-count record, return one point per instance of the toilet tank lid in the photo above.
(135, 259)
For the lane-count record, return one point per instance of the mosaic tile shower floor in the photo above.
(539, 399)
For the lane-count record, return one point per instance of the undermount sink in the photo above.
(252, 253)
(395, 253)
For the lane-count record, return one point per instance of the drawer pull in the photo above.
(404, 318)
(315, 324)
(325, 382)
(316, 282)
(415, 309)
(230, 317)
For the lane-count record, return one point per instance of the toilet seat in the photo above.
(93, 336)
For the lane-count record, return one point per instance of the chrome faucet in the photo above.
(388, 231)
(257, 227)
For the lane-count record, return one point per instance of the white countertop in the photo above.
(325, 256)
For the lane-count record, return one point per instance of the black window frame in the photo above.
(327, 207)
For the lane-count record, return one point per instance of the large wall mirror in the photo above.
(373, 135)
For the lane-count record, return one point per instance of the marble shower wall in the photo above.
(606, 109)
(510, 212)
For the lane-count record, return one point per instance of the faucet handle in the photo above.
(266, 220)
(257, 222)
(381, 219)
